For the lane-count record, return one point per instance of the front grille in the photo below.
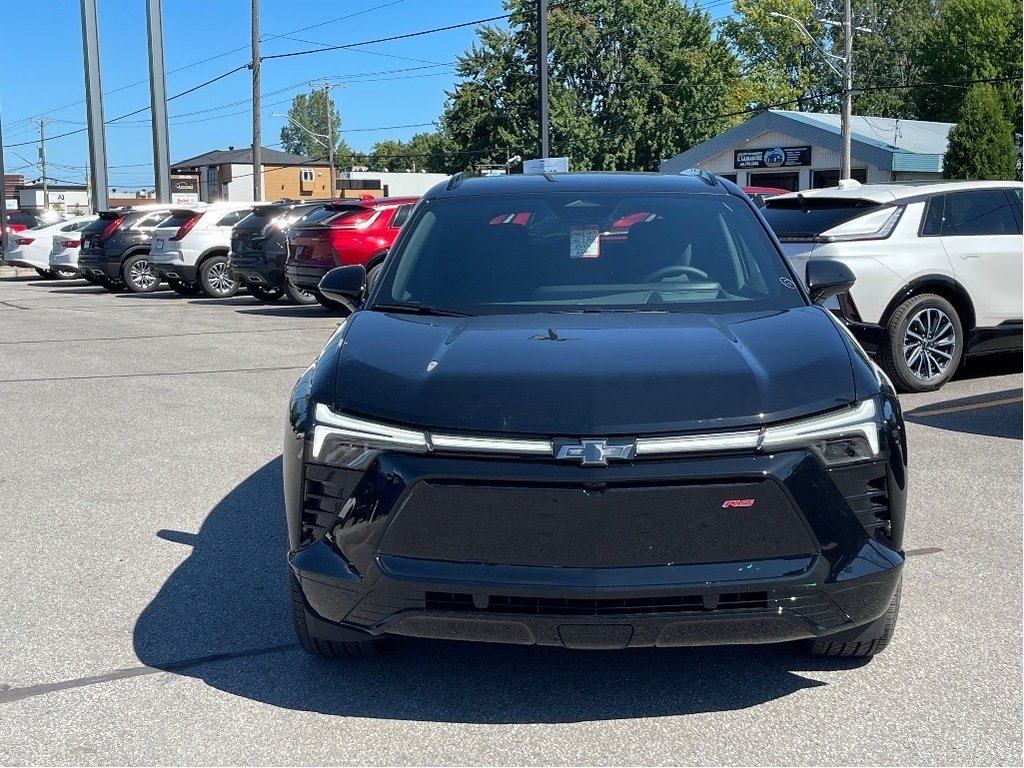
(866, 488)
(563, 606)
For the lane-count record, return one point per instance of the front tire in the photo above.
(266, 295)
(923, 345)
(138, 276)
(318, 646)
(215, 278)
(875, 639)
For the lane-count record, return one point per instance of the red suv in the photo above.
(343, 233)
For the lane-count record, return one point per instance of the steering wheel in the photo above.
(675, 269)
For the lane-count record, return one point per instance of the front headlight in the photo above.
(840, 437)
(358, 436)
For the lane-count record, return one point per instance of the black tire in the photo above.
(215, 278)
(371, 275)
(65, 273)
(934, 334)
(266, 295)
(184, 289)
(298, 296)
(138, 276)
(874, 640)
(325, 649)
(115, 286)
(45, 274)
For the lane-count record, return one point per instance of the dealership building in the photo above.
(802, 150)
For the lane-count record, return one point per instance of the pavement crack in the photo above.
(9, 695)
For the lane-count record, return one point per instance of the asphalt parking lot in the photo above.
(145, 615)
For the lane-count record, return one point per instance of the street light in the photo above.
(845, 74)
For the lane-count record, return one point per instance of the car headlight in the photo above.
(358, 437)
(840, 437)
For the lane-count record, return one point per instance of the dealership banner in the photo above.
(772, 157)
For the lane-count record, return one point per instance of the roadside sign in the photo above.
(546, 165)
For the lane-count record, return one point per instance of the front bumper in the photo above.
(65, 259)
(306, 278)
(597, 558)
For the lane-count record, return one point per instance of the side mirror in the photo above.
(345, 285)
(827, 278)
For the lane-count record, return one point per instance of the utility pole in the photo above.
(542, 74)
(42, 162)
(845, 161)
(3, 196)
(257, 139)
(330, 127)
(94, 106)
(158, 101)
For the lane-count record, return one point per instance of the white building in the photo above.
(801, 150)
(68, 199)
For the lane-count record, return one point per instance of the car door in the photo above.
(982, 236)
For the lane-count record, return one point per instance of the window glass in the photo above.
(794, 219)
(176, 220)
(232, 218)
(978, 212)
(401, 215)
(934, 215)
(72, 227)
(679, 253)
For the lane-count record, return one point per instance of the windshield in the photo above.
(589, 252)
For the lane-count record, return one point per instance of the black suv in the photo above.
(593, 411)
(259, 245)
(115, 249)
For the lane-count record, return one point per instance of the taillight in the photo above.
(17, 228)
(24, 240)
(111, 228)
(72, 243)
(185, 228)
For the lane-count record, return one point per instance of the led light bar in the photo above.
(859, 420)
(707, 443)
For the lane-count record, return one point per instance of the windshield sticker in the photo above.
(584, 243)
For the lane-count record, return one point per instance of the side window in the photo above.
(400, 217)
(151, 220)
(933, 216)
(980, 212)
(232, 218)
(73, 227)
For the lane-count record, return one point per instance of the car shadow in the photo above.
(223, 617)
(994, 414)
(1001, 364)
(292, 310)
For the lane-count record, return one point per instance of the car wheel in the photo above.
(111, 285)
(265, 294)
(45, 274)
(371, 275)
(923, 344)
(138, 276)
(298, 295)
(873, 640)
(215, 278)
(65, 273)
(319, 646)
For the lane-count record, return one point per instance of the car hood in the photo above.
(591, 374)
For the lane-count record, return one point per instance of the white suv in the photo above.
(939, 268)
(190, 248)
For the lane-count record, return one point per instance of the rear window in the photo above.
(796, 220)
(178, 219)
(698, 253)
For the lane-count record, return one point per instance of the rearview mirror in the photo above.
(827, 278)
(345, 285)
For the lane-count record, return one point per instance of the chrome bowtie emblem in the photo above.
(595, 453)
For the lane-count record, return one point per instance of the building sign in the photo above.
(546, 165)
(772, 157)
(184, 190)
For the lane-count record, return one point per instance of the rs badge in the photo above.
(737, 503)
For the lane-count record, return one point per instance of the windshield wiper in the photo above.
(418, 309)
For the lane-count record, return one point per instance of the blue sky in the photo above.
(399, 83)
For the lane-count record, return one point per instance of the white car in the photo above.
(939, 268)
(190, 248)
(37, 248)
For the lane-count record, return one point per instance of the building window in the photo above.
(307, 175)
(779, 180)
(728, 177)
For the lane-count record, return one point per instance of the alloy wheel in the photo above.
(141, 276)
(929, 344)
(219, 278)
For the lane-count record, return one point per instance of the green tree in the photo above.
(981, 144)
(972, 39)
(388, 155)
(308, 115)
(629, 82)
(779, 63)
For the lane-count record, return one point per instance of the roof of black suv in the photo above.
(697, 182)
